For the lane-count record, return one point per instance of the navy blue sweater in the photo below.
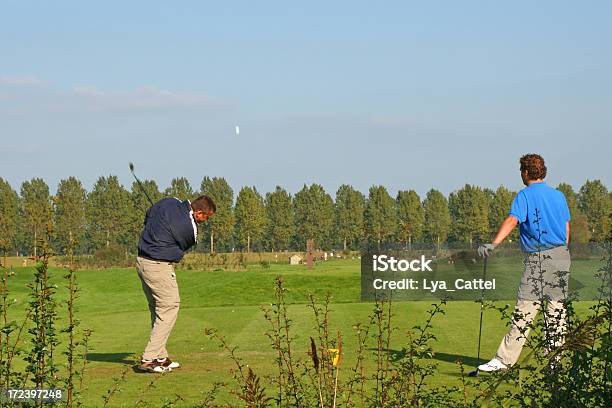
(169, 231)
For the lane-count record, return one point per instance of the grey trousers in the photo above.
(545, 278)
(525, 311)
(159, 285)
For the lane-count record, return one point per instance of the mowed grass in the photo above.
(112, 305)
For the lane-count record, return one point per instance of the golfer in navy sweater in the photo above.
(169, 230)
(543, 218)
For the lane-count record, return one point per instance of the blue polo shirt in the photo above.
(542, 213)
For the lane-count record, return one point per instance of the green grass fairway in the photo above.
(112, 305)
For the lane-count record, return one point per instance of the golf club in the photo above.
(484, 278)
(139, 183)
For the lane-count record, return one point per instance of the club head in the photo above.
(131, 167)
(473, 373)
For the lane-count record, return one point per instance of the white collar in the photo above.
(193, 224)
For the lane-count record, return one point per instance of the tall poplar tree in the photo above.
(380, 216)
(469, 211)
(594, 201)
(9, 216)
(70, 208)
(410, 217)
(180, 188)
(579, 225)
(220, 227)
(36, 209)
(250, 217)
(314, 216)
(109, 206)
(281, 223)
(350, 207)
(499, 208)
(437, 217)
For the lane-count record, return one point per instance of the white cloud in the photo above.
(24, 95)
(143, 98)
(21, 81)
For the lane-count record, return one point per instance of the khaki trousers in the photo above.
(525, 311)
(159, 285)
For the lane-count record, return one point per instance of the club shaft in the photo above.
(479, 335)
(484, 277)
(142, 187)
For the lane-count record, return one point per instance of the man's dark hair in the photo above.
(534, 165)
(204, 203)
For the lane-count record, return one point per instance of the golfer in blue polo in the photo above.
(543, 218)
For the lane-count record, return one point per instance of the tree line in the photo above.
(110, 214)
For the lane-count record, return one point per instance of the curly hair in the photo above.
(534, 165)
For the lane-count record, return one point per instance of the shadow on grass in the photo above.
(452, 358)
(469, 363)
(120, 358)
(397, 355)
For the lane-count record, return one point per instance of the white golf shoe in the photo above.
(167, 363)
(152, 366)
(493, 365)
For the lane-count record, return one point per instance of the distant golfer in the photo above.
(543, 216)
(169, 230)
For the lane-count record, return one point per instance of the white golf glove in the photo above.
(485, 250)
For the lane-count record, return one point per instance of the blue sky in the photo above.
(405, 94)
